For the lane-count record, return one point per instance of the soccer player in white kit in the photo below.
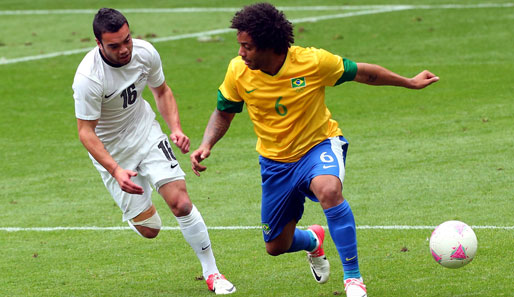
(125, 142)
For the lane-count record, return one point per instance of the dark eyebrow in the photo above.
(117, 44)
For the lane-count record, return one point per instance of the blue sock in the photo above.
(341, 225)
(302, 240)
(352, 274)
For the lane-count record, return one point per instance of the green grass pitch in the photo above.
(416, 158)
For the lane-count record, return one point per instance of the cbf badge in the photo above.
(266, 229)
(298, 82)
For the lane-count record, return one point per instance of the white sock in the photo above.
(195, 232)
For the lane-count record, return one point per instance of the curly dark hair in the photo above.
(268, 27)
(108, 20)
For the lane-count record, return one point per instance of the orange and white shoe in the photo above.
(219, 284)
(320, 267)
(355, 287)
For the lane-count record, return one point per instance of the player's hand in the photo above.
(423, 79)
(198, 156)
(123, 176)
(181, 141)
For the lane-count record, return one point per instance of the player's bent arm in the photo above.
(94, 146)
(218, 125)
(167, 106)
(373, 74)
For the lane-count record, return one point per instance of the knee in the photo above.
(181, 207)
(147, 224)
(148, 232)
(330, 196)
(274, 250)
(175, 195)
(329, 192)
(328, 189)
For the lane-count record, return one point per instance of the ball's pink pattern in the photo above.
(459, 253)
(436, 256)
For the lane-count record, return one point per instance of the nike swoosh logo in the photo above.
(316, 276)
(173, 166)
(350, 258)
(328, 166)
(204, 248)
(107, 96)
(248, 92)
(231, 289)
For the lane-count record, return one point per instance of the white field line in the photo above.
(369, 9)
(295, 21)
(193, 35)
(234, 9)
(94, 228)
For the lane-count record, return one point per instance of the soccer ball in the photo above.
(453, 244)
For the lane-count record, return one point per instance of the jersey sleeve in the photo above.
(228, 97)
(335, 70)
(156, 75)
(350, 71)
(88, 98)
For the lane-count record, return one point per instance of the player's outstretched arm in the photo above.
(96, 148)
(215, 130)
(372, 74)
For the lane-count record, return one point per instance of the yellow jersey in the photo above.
(287, 109)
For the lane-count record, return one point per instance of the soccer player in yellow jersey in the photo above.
(302, 150)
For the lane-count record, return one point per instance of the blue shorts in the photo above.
(285, 185)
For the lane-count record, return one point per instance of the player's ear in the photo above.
(99, 43)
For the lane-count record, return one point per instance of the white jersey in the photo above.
(113, 95)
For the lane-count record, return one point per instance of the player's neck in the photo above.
(276, 62)
(109, 62)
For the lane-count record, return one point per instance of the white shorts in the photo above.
(155, 164)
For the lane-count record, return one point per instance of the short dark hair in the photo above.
(107, 20)
(268, 27)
